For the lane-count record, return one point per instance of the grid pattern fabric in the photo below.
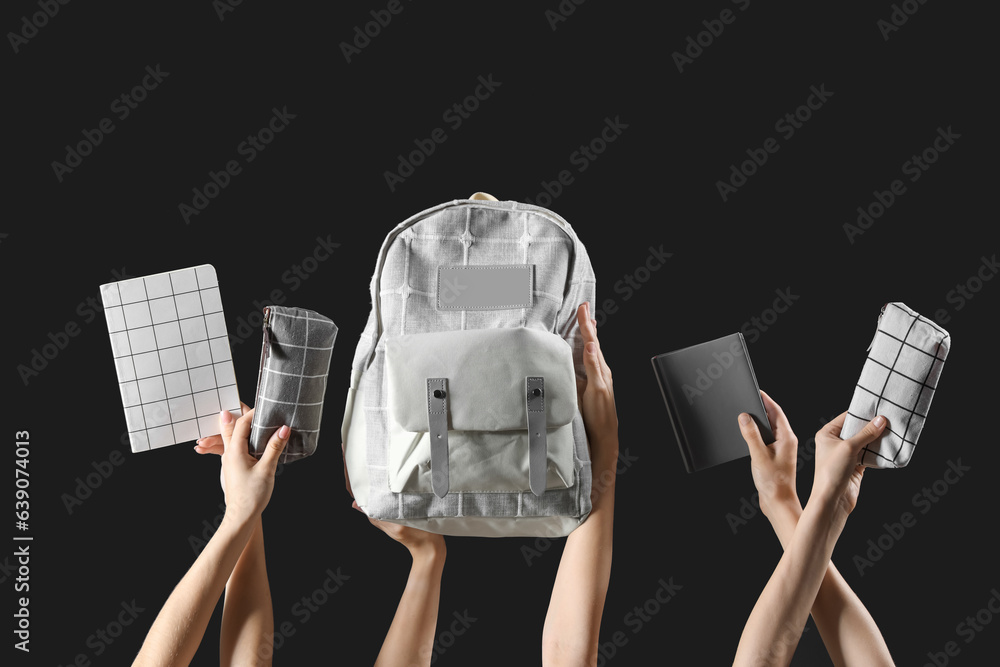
(465, 232)
(898, 381)
(171, 350)
(295, 361)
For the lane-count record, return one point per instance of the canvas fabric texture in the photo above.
(295, 362)
(403, 290)
(898, 381)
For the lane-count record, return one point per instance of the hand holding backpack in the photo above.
(462, 414)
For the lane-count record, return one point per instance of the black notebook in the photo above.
(705, 388)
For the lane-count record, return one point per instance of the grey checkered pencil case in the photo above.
(898, 381)
(294, 363)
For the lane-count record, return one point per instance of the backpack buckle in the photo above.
(437, 430)
(537, 444)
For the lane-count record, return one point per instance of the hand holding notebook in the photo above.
(705, 387)
(171, 349)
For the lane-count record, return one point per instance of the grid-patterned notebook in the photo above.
(898, 381)
(171, 348)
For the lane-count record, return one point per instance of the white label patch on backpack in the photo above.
(485, 287)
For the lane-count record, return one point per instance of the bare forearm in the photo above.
(573, 620)
(179, 627)
(247, 619)
(412, 630)
(849, 632)
(775, 624)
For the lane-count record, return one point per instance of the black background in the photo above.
(654, 186)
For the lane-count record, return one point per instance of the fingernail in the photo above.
(744, 418)
(196, 447)
(283, 432)
(878, 421)
(591, 348)
(225, 417)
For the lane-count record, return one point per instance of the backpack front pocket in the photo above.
(460, 407)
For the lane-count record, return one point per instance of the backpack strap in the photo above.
(437, 430)
(537, 445)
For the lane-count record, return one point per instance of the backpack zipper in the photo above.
(877, 325)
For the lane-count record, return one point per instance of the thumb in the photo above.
(227, 424)
(871, 432)
(750, 432)
(275, 446)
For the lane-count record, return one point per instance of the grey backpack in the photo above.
(462, 414)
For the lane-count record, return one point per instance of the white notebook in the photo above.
(171, 349)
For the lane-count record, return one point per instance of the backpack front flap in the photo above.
(464, 420)
(486, 445)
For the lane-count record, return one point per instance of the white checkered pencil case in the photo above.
(294, 364)
(898, 381)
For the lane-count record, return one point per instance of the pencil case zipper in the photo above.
(877, 325)
(265, 350)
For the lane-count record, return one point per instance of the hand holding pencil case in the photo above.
(294, 364)
(898, 381)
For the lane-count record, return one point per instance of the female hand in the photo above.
(596, 394)
(212, 444)
(772, 466)
(246, 482)
(415, 540)
(838, 475)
